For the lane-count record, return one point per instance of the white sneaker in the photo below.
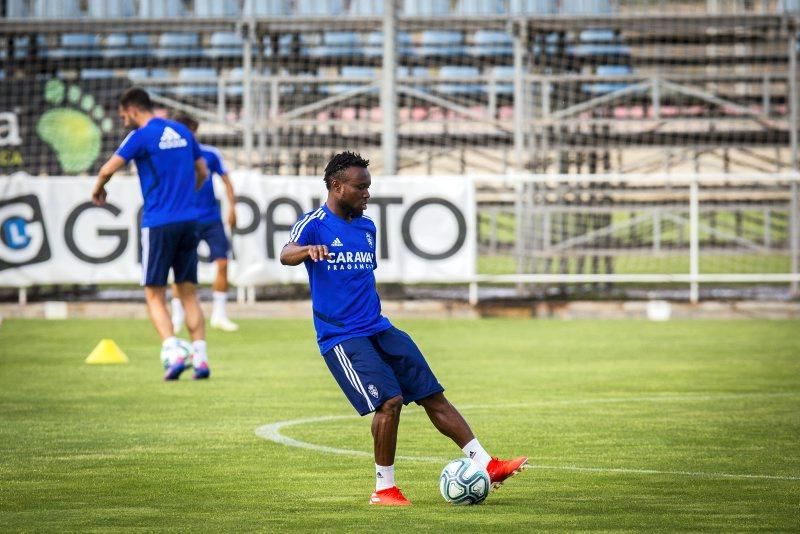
(224, 324)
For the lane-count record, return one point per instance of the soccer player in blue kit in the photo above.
(211, 230)
(171, 169)
(378, 367)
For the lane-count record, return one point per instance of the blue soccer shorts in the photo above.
(373, 369)
(213, 233)
(168, 246)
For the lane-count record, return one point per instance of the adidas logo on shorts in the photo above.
(171, 139)
(337, 243)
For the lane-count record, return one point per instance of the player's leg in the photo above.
(214, 235)
(158, 248)
(178, 315)
(418, 384)
(370, 386)
(185, 269)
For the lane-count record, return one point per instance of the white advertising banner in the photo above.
(50, 232)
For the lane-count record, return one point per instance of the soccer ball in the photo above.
(464, 481)
(183, 349)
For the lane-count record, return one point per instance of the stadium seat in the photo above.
(97, 74)
(363, 74)
(137, 74)
(442, 43)
(532, 7)
(110, 9)
(56, 9)
(177, 44)
(461, 87)
(596, 89)
(156, 9)
(789, 6)
(492, 43)
(24, 49)
(319, 8)
(504, 80)
(267, 8)
(124, 45)
(77, 45)
(426, 8)
(480, 7)
(225, 44)
(235, 75)
(205, 82)
(337, 44)
(586, 7)
(599, 42)
(216, 8)
(374, 46)
(141, 76)
(366, 8)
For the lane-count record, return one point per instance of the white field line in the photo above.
(272, 432)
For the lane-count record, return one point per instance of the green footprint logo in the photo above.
(74, 133)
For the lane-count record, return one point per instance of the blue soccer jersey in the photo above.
(164, 152)
(207, 203)
(343, 293)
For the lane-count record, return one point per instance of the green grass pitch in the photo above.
(629, 426)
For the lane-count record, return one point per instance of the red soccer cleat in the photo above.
(500, 470)
(389, 497)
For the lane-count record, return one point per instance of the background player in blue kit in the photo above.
(378, 367)
(211, 230)
(171, 169)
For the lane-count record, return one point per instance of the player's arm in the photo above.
(231, 199)
(295, 254)
(200, 172)
(108, 169)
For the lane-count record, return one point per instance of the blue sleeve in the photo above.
(304, 231)
(129, 148)
(215, 164)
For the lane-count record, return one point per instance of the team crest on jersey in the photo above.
(369, 240)
(171, 139)
(337, 243)
(373, 390)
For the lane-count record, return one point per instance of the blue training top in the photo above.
(207, 203)
(343, 294)
(164, 152)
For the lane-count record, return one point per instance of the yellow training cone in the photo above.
(106, 352)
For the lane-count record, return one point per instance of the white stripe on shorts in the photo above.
(351, 373)
(145, 252)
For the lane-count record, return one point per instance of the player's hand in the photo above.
(318, 252)
(232, 218)
(99, 195)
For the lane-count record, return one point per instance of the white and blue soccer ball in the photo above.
(464, 481)
(183, 349)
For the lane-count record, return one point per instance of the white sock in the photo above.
(200, 355)
(177, 312)
(384, 477)
(220, 298)
(474, 450)
(169, 342)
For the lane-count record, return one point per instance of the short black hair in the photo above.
(187, 120)
(137, 97)
(340, 163)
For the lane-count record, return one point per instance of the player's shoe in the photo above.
(175, 369)
(501, 470)
(224, 324)
(389, 497)
(201, 371)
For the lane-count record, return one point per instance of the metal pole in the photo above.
(520, 40)
(247, 29)
(794, 232)
(389, 88)
(694, 241)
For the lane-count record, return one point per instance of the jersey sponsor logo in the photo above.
(369, 240)
(372, 390)
(340, 261)
(337, 243)
(171, 139)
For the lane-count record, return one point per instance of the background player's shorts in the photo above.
(371, 370)
(171, 245)
(213, 233)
